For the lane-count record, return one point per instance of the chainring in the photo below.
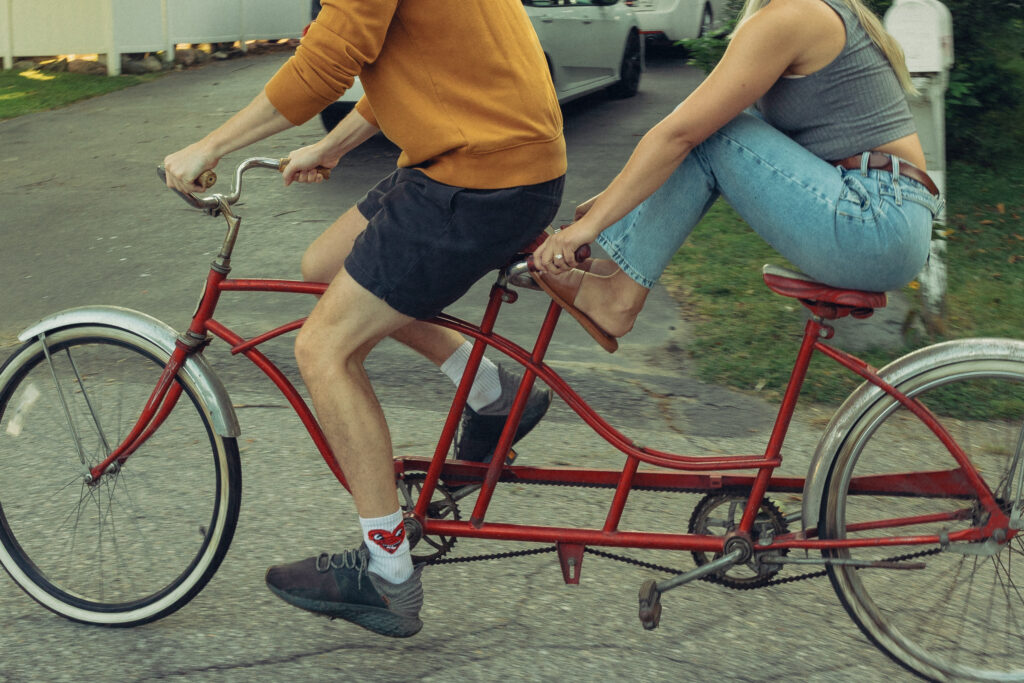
(442, 506)
(719, 514)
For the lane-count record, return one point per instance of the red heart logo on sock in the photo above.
(388, 540)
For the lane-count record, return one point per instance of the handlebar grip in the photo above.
(206, 179)
(582, 253)
(324, 173)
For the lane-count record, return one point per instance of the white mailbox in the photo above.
(924, 29)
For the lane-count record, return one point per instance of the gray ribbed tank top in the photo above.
(853, 104)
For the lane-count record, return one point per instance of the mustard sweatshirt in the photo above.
(461, 86)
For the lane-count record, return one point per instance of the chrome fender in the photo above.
(198, 371)
(928, 358)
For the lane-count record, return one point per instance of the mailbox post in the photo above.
(924, 29)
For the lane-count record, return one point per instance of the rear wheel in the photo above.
(145, 538)
(629, 70)
(962, 616)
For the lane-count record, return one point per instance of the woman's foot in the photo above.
(606, 306)
(598, 266)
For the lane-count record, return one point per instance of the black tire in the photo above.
(630, 69)
(333, 113)
(707, 21)
(959, 617)
(142, 541)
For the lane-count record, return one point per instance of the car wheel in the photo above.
(629, 72)
(707, 22)
(334, 112)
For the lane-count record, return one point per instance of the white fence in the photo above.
(31, 28)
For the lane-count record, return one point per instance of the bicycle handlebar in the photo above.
(212, 202)
(582, 253)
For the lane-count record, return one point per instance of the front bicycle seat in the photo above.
(822, 300)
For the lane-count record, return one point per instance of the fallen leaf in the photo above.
(986, 222)
(1001, 208)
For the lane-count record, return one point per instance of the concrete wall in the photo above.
(30, 28)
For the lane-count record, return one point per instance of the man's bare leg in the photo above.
(490, 397)
(323, 260)
(343, 328)
(375, 584)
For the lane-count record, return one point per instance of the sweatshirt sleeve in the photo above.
(366, 111)
(345, 35)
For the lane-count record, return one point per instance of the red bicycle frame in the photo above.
(681, 472)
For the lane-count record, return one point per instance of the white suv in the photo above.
(666, 21)
(590, 45)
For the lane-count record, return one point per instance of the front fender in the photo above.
(900, 370)
(199, 372)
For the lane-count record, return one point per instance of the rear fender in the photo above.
(900, 370)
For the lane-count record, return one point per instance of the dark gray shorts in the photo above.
(427, 243)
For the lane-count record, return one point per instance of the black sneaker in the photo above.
(479, 433)
(339, 586)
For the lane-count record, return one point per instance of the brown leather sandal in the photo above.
(565, 296)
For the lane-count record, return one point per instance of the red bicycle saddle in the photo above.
(823, 300)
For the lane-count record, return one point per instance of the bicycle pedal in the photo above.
(511, 456)
(650, 605)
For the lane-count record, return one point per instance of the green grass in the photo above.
(746, 336)
(31, 91)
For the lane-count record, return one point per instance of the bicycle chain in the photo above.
(649, 565)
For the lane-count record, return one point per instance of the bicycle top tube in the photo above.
(211, 203)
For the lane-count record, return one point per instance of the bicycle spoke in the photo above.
(88, 403)
(63, 401)
(114, 549)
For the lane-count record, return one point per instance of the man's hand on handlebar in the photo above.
(185, 166)
(307, 165)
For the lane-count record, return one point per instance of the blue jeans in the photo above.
(860, 229)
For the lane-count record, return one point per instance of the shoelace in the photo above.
(356, 558)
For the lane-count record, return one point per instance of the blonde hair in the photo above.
(875, 30)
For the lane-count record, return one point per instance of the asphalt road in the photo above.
(84, 220)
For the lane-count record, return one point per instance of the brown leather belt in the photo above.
(883, 162)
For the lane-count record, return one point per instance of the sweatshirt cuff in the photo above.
(296, 104)
(366, 111)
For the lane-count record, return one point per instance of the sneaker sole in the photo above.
(376, 619)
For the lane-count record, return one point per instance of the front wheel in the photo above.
(630, 69)
(143, 540)
(962, 616)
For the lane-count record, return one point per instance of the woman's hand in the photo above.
(186, 165)
(303, 164)
(558, 252)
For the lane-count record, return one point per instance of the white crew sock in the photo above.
(385, 538)
(487, 384)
